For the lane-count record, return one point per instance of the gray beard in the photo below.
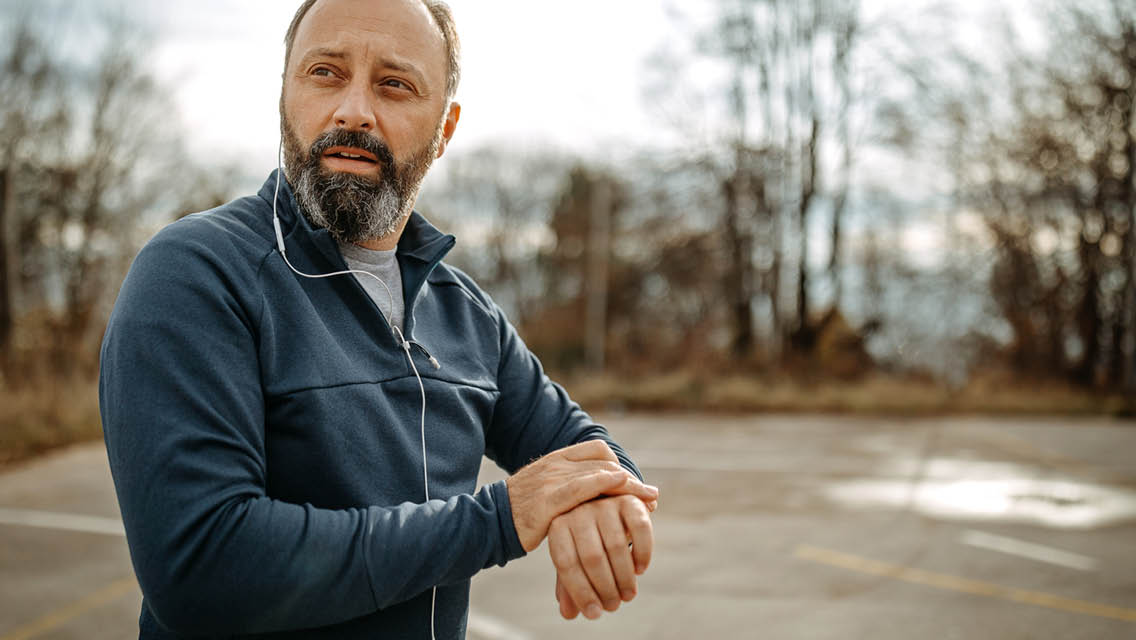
(352, 208)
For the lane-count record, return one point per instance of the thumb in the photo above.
(632, 486)
(585, 487)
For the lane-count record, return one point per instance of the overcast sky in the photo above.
(534, 72)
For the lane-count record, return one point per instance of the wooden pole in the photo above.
(599, 250)
(6, 198)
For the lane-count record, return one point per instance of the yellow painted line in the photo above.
(102, 596)
(962, 585)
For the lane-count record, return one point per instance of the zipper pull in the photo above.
(432, 359)
(406, 344)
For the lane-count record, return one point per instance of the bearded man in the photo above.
(297, 392)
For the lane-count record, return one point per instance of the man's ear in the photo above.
(449, 126)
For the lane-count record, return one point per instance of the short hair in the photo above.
(443, 17)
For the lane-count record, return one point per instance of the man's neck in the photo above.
(387, 242)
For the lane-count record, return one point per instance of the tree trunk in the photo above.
(1127, 347)
(803, 336)
(6, 313)
(737, 280)
(1088, 314)
(834, 261)
(599, 253)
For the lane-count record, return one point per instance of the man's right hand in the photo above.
(563, 479)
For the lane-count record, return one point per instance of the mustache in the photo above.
(357, 139)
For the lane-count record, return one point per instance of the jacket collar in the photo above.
(420, 240)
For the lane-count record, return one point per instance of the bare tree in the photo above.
(88, 148)
(786, 94)
(1043, 148)
(499, 201)
(31, 115)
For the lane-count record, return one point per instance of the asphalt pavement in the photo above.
(768, 527)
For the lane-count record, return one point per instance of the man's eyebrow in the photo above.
(325, 52)
(393, 64)
(403, 67)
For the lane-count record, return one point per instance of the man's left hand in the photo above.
(595, 567)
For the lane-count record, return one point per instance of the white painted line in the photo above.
(1029, 550)
(62, 521)
(491, 628)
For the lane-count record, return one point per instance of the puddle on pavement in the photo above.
(974, 490)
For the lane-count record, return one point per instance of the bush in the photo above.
(45, 415)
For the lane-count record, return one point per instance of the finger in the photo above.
(639, 527)
(615, 541)
(633, 486)
(587, 486)
(593, 557)
(652, 505)
(590, 450)
(582, 466)
(568, 609)
(571, 575)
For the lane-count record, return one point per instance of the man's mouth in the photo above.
(351, 154)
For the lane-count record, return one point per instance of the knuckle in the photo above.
(640, 522)
(580, 450)
(598, 448)
(562, 560)
(592, 558)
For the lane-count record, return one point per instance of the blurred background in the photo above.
(871, 207)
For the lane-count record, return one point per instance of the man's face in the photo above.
(364, 113)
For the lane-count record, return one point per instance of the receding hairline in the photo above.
(440, 14)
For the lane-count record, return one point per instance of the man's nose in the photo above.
(355, 111)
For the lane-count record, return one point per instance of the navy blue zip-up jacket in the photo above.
(263, 432)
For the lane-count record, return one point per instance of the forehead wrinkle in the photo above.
(324, 52)
(380, 32)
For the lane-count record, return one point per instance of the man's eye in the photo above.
(394, 83)
(322, 72)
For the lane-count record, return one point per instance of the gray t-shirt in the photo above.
(384, 265)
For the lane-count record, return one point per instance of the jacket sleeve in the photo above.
(534, 415)
(183, 417)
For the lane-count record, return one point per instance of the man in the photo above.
(295, 452)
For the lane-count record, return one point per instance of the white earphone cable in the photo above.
(402, 342)
(425, 473)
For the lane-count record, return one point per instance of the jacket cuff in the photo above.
(512, 542)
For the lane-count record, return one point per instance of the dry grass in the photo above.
(42, 417)
(48, 415)
(738, 393)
